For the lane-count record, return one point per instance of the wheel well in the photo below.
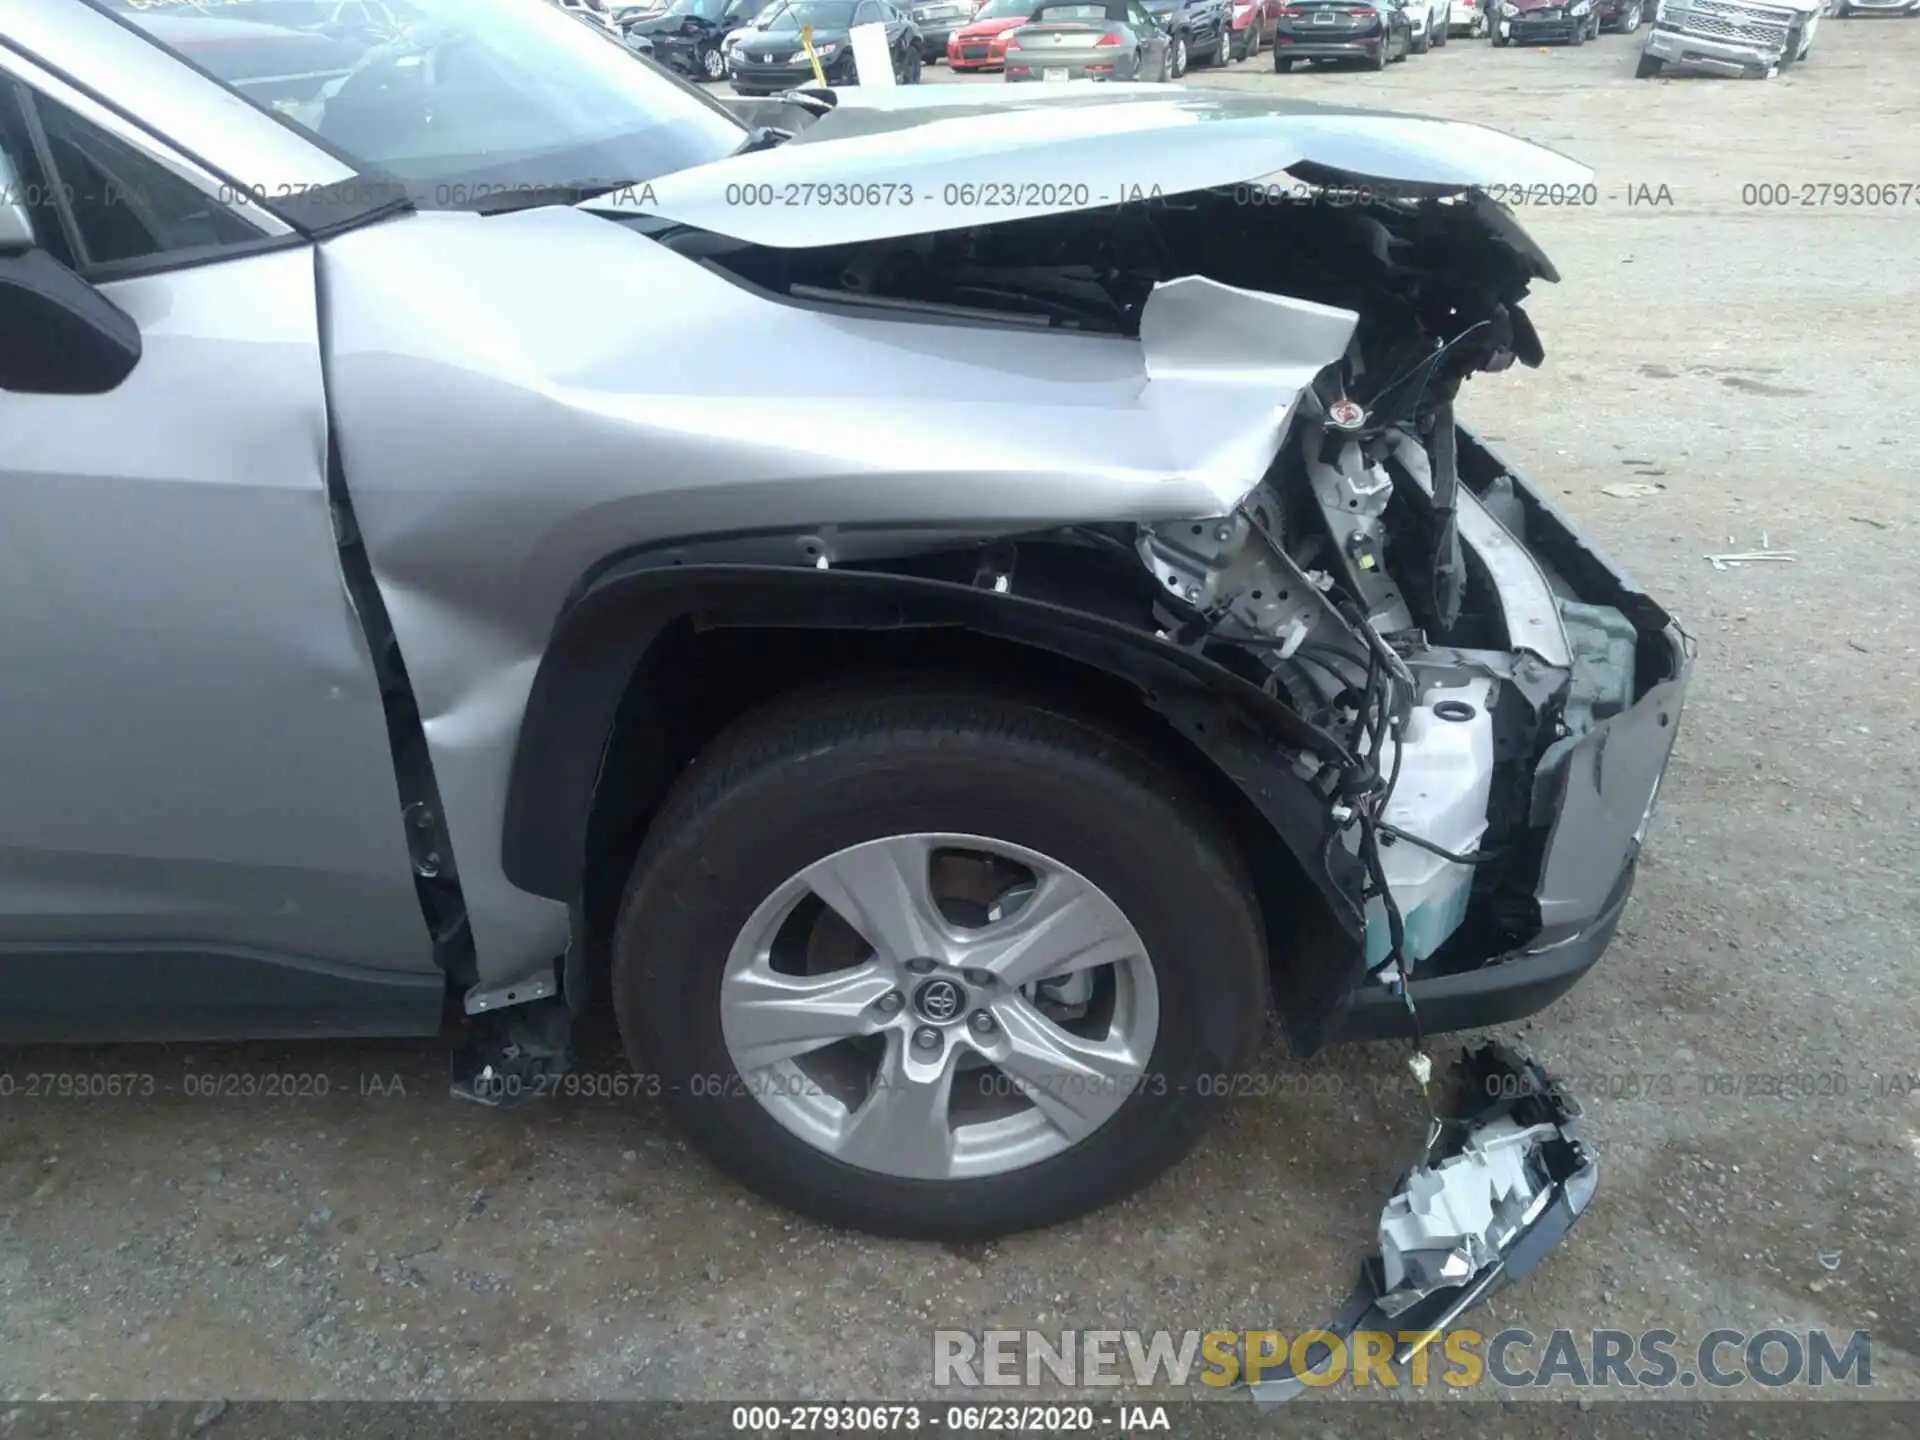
(693, 683)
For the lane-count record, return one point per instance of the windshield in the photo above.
(463, 104)
(820, 14)
(1005, 10)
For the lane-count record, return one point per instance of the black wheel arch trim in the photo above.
(606, 631)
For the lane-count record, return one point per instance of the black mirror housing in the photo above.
(62, 336)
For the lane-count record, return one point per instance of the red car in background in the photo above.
(982, 44)
(1254, 25)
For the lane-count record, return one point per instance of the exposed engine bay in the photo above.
(1356, 581)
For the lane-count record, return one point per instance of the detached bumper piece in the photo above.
(1502, 1182)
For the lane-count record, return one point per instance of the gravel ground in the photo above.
(1746, 1049)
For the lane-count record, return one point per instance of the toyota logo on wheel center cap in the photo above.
(939, 1000)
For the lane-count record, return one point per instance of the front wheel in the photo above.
(1579, 34)
(937, 963)
(713, 64)
(1282, 66)
(1423, 42)
(1179, 56)
(1631, 24)
(1500, 41)
(1648, 67)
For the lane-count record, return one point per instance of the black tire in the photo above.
(1579, 35)
(804, 777)
(1281, 66)
(1442, 32)
(1181, 57)
(1422, 42)
(1378, 60)
(1648, 68)
(1500, 41)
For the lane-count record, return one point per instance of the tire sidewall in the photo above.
(691, 899)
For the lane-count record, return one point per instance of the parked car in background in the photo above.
(1467, 17)
(938, 20)
(1428, 19)
(1843, 9)
(1198, 30)
(594, 12)
(1374, 32)
(1728, 37)
(981, 44)
(689, 35)
(1254, 23)
(1546, 22)
(751, 26)
(774, 59)
(1622, 17)
(1088, 40)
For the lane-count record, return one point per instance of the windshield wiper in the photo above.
(763, 137)
(501, 199)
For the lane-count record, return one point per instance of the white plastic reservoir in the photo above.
(1446, 778)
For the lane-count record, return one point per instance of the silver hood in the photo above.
(930, 158)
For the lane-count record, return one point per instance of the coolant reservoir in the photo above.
(1446, 780)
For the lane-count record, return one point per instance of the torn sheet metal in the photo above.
(1502, 1183)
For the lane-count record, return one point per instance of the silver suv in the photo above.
(934, 606)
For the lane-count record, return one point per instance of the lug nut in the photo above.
(889, 1003)
(920, 966)
(982, 1023)
(927, 1038)
(979, 979)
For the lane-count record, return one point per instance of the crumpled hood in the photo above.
(909, 160)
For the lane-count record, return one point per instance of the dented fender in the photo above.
(562, 440)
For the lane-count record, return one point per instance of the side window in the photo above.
(868, 13)
(119, 211)
(1138, 18)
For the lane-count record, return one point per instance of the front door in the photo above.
(201, 831)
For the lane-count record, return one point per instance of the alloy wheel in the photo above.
(715, 64)
(939, 1006)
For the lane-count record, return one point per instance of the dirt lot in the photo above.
(1746, 1049)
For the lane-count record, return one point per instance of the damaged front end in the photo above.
(1467, 708)
(1471, 709)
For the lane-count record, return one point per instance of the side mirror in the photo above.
(81, 342)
